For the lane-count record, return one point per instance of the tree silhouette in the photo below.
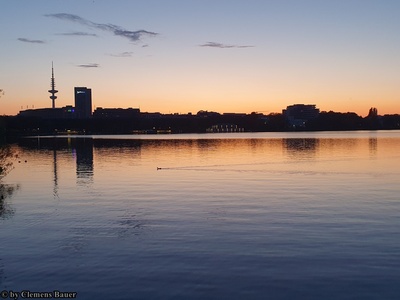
(6, 156)
(373, 112)
(372, 120)
(6, 190)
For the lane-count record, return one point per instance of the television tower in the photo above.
(53, 90)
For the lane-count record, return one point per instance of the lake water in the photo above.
(213, 216)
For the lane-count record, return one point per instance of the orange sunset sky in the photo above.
(185, 56)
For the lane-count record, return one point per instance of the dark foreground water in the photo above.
(239, 216)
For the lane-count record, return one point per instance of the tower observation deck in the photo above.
(53, 90)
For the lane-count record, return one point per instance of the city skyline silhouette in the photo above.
(225, 56)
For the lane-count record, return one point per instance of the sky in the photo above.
(180, 56)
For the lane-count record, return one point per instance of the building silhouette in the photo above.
(297, 115)
(54, 112)
(117, 113)
(224, 128)
(83, 102)
(53, 90)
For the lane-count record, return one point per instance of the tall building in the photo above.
(53, 90)
(83, 102)
(298, 114)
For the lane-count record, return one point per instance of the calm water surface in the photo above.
(229, 216)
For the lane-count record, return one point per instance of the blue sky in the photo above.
(184, 56)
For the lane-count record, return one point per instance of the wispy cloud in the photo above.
(91, 65)
(77, 33)
(123, 54)
(31, 41)
(133, 36)
(223, 46)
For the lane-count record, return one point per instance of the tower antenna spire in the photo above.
(53, 90)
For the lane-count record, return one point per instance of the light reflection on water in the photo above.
(251, 216)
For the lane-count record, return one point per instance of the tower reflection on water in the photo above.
(83, 152)
(294, 149)
(84, 160)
